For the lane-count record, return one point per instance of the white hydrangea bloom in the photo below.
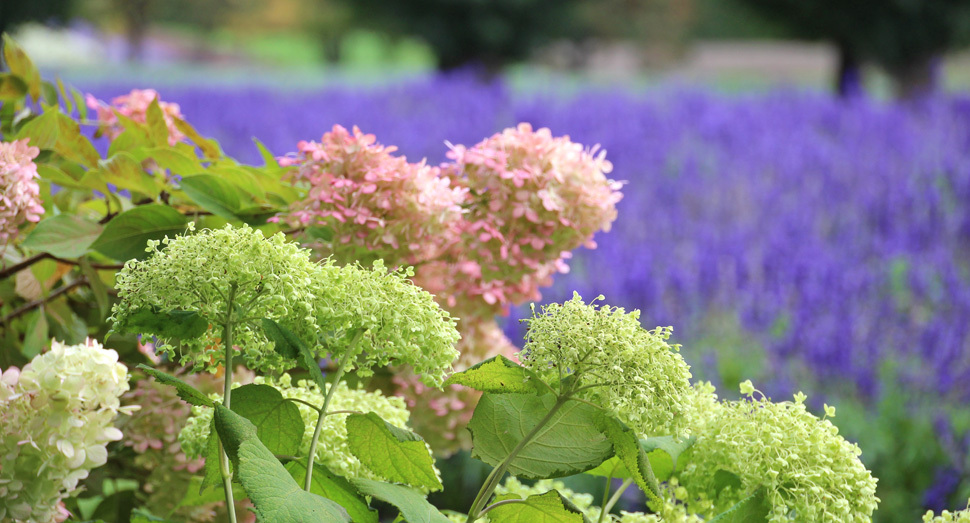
(56, 417)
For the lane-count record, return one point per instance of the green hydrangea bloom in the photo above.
(333, 450)
(644, 380)
(397, 321)
(272, 279)
(960, 516)
(811, 473)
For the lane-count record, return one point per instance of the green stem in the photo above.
(616, 497)
(341, 366)
(493, 479)
(500, 503)
(606, 493)
(227, 392)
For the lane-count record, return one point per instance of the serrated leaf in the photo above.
(20, 64)
(214, 194)
(498, 375)
(412, 503)
(42, 130)
(272, 490)
(126, 235)
(64, 236)
(211, 474)
(569, 443)
(550, 507)
(331, 486)
(279, 424)
(187, 392)
(157, 128)
(164, 324)
(663, 452)
(12, 87)
(289, 345)
(393, 453)
(752, 509)
(627, 449)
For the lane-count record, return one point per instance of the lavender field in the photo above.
(802, 241)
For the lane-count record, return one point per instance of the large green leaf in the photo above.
(210, 148)
(42, 130)
(569, 443)
(550, 507)
(12, 87)
(279, 424)
(165, 324)
(331, 486)
(126, 236)
(662, 451)
(21, 65)
(125, 172)
(214, 194)
(174, 160)
(413, 505)
(752, 509)
(275, 494)
(393, 453)
(499, 375)
(157, 128)
(185, 391)
(289, 345)
(211, 474)
(64, 235)
(74, 145)
(627, 448)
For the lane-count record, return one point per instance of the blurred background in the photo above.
(797, 202)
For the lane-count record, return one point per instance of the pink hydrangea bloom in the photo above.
(375, 202)
(19, 191)
(134, 105)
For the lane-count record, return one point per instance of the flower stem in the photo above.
(338, 374)
(606, 493)
(227, 392)
(616, 497)
(496, 475)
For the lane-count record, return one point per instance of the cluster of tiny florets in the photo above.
(56, 418)
(375, 202)
(134, 105)
(19, 191)
(393, 320)
(809, 471)
(334, 450)
(636, 373)
(959, 516)
(264, 277)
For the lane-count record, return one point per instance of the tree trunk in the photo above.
(917, 78)
(848, 83)
(136, 19)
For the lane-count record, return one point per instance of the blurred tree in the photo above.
(660, 28)
(906, 37)
(490, 33)
(14, 12)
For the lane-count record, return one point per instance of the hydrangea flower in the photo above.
(397, 321)
(335, 452)
(54, 426)
(134, 105)
(272, 279)
(19, 191)
(642, 378)
(959, 516)
(376, 203)
(811, 473)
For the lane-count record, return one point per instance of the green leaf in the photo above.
(210, 148)
(73, 145)
(130, 140)
(569, 443)
(393, 453)
(20, 64)
(269, 161)
(550, 507)
(331, 486)
(185, 391)
(279, 424)
(164, 324)
(627, 448)
(752, 509)
(42, 130)
(662, 451)
(213, 194)
(272, 490)
(64, 236)
(498, 375)
(175, 161)
(412, 503)
(291, 347)
(211, 474)
(196, 496)
(98, 288)
(12, 87)
(126, 236)
(48, 93)
(116, 507)
(55, 175)
(157, 128)
(126, 172)
(37, 336)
